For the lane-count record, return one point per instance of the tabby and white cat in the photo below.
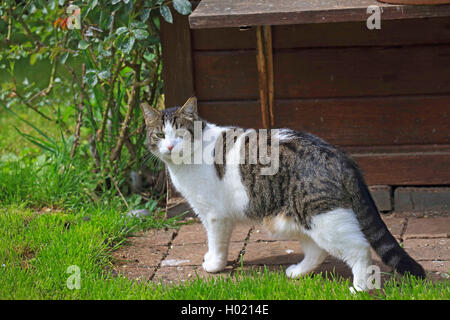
(318, 196)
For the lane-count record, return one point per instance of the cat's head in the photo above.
(170, 129)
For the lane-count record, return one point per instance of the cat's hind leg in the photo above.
(314, 256)
(284, 227)
(338, 232)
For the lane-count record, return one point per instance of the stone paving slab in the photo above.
(190, 234)
(188, 254)
(436, 266)
(182, 274)
(141, 255)
(438, 227)
(428, 249)
(260, 234)
(192, 254)
(137, 273)
(196, 233)
(155, 237)
(273, 253)
(396, 225)
(139, 262)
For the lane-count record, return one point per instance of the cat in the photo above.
(317, 196)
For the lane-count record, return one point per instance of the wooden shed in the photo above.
(382, 95)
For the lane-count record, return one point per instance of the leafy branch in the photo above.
(109, 65)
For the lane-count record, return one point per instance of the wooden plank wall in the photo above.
(382, 95)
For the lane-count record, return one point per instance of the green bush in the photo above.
(85, 66)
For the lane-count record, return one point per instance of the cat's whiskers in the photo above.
(149, 156)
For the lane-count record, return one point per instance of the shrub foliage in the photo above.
(104, 58)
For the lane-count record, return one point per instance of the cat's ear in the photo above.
(189, 107)
(150, 114)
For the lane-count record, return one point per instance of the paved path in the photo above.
(176, 255)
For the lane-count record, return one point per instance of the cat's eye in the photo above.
(160, 134)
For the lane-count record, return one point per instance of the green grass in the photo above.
(51, 217)
(11, 142)
(48, 222)
(37, 247)
(272, 285)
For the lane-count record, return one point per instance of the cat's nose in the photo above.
(170, 147)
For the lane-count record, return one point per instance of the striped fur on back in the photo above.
(315, 177)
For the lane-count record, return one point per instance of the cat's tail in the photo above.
(376, 232)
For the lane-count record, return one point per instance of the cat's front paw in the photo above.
(295, 271)
(214, 265)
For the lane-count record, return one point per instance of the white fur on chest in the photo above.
(205, 192)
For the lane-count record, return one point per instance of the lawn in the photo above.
(56, 241)
(38, 248)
